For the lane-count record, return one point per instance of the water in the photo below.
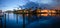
(30, 21)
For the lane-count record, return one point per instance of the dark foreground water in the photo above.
(29, 21)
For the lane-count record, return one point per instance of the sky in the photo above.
(11, 4)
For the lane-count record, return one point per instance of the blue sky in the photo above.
(11, 4)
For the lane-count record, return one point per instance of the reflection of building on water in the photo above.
(43, 15)
(48, 15)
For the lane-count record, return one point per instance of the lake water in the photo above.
(30, 21)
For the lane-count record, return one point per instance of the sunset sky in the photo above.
(11, 4)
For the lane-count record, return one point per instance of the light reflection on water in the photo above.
(31, 21)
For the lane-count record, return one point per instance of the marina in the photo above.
(29, 13)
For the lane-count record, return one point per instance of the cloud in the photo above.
(42, 3)
(35, 4)
(31, 4)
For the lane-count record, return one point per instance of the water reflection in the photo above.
(47, 19)
(41, 14)
(31, 20)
